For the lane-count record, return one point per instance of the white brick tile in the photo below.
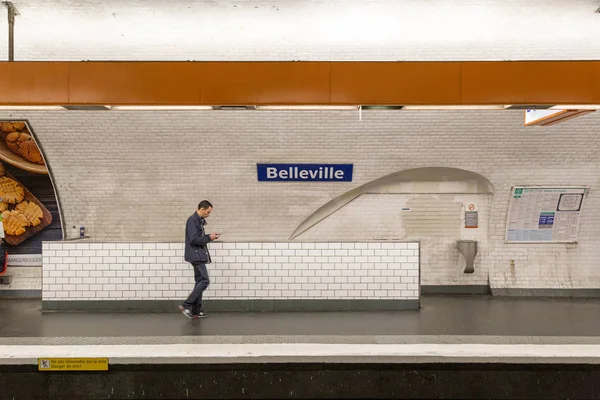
(297, 273)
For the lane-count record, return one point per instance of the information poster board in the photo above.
(544, 214)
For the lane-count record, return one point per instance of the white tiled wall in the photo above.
(23, 278)
(435, 220)
(153, 168)
(157, 271)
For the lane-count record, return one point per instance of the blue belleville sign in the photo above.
(305, 172)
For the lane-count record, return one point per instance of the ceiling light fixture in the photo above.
(161, 108)
(461, 107)
(307, 107)
(86, 108)
(235, 107)
(576, 107)
(528, 106)
(371, 107)
(30, 108)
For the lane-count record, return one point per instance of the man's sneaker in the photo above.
(202, 314)
(186, 312)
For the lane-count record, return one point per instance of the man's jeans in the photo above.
(194, 301)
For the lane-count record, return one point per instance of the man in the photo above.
(196, 253)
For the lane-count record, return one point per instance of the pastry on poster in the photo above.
(31, 211)
(23, 215)
(10, 127)
(18, 147)
(22, 144)
(14, 222)
(12, 192)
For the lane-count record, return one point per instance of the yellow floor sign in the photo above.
(73, 364)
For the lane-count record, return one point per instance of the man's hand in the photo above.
(214, 236)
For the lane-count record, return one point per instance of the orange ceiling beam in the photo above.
(275, 83)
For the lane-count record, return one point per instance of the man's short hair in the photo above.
(204, 204)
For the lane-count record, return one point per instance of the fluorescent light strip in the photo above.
(496, 107)
(311, 107)
(159, 108)
(576, 107)
(300, 107)
(31, 108)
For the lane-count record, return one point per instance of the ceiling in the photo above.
(334, 30)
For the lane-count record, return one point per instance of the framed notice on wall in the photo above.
(544, 214)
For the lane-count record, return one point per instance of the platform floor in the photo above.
(460, 329)
(439, 315)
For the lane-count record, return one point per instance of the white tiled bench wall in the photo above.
(157, 271)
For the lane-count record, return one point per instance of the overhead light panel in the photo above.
(86, 108)
(382, 107)
(529, 107)
(551, 117)
(310, 107)
(31, 108)
(461, 107)
(229, 108)
(160, 108)
(576, 107)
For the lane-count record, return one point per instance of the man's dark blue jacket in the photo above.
(196, 251)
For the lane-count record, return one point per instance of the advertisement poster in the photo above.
(27, 200)
(544, 214)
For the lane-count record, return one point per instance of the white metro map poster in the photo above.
(544, 214)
